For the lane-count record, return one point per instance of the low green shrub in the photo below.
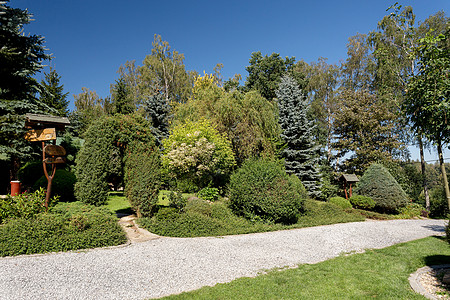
(447, 230)
(341, 202)
(324, 213)
(69, 226)
(62, 185)
(210, 194)
(176, 200)
(261, 189)
(198, 206)
(412, 210)
(362, 202)
(25, 205)
(438, 203)
(142, 178)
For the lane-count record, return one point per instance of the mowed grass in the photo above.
(375, 274)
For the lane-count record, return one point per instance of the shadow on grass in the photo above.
(438, 259)
(124, 212)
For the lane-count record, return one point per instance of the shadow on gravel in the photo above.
(437, 228)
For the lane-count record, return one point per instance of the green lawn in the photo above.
(380, 274)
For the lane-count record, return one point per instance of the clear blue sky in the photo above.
(89, 40)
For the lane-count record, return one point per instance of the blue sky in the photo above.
(90, 40)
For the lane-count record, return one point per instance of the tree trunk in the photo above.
(444, 173)
(424, 178)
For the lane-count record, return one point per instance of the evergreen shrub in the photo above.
(142, 177)
(62, 185)
(438, 203)
(362, 202)
(68, 226)
(261, 189)
(101, 157)
(341, 202)
(382, 187)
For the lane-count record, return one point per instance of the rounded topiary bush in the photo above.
(341, 202)
(382, 187)
(362, 202)
(261, 189)
(62, 185)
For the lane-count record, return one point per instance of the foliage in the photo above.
(366, 130)
(25, 205)
(215, 219)
(62, 185)
(89, 107)
(51, 93)
(261, 189)
(438, 203)
(29, 173)
(101, 156)
(362, 202)
(142, 177)
(209, 194)
(265, 72)
(177, 201)
(196, 152)
(249, 120)
(157, 110)
(341, 202)
(408, 176)
(413, 210)
(300, 152)
(379, 184)
(69, 226)
(21, 56)
(120, 98)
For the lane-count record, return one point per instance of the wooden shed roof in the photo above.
(45, 121)
(350, 178)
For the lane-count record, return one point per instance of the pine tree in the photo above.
(300, 153)
(121, 100)
(20, 58)
(52, 93)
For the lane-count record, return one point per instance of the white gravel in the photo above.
(172, 265)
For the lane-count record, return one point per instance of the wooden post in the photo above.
(350, 190)
(345, 190)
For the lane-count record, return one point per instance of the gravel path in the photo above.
(167, 266)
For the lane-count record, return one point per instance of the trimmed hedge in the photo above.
(382, 187)
(362, 202)
(261, 189)
(69, 226)
(341, 202)
(142, 177)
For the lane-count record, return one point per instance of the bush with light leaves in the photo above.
(196, 155)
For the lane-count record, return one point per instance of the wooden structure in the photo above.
(43, 129)
(348, 180)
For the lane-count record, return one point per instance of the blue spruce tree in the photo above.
(300, 153)
(158, 112)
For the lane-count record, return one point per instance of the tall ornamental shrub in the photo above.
(261, 189)
(382, 187)
(198, 155)
(142, 177)
(300, 153)
(105, 139)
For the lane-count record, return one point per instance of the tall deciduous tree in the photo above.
(428, 96)
(20, 58)
(52, 93)
(300, 153)
(265, 72)
(365, 130)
